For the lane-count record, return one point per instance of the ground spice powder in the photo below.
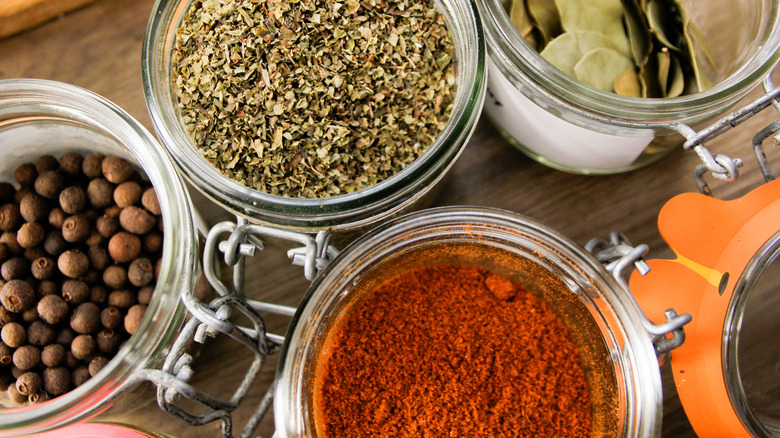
(451, 351)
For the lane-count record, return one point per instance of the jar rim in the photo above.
(522, 64)
(335, 212)
(34, 100)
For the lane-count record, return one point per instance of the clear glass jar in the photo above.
(570, 126)
(359, 209)
(622, 368)
(44, 117)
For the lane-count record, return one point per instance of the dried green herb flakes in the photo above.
(309, 98)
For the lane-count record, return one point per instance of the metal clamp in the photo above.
(210, 320)
(617, 254)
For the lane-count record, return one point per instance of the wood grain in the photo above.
(99, 48)
(18, 15)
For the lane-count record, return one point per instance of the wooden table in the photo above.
(99, 48)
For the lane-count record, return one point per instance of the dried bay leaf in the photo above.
(663, 63)
(627, 84)
(702, 80)
(638, 32)
(546, 17)
(675, 84)
(665, 24)
(601, 67)
(605, 16)
(565, 51)
(518, 14)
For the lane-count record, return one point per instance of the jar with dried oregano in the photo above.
(314, 114)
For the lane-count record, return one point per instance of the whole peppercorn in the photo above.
(150, 202)
(45, 163)
(82, 347)
(40, 334)
(7, 192)
(116, 170)
(107, 225)
(124, 247)
(34, 208)
(71, 163)
(6, 316)
(98, 257)
(13, 334)
(115, 276)
(96, 364)
(17, 296)
(10, 217)
(136, 220)
(98, 294)
(100, 193)
(30, 234)
(121, 299)
(92, 165)
(56, 380)
(111, 317)
(57, 217)
(76, 229)
(43, 268)
(49, 184)
(29, 383)
(8, 239)
(65, 337)
(152, 242)
(127, 193)
(14, 395)
(6, 354)
(48, 287)
(140, 272)
(133, 318)
(26, 174)
(53, 309)
(80, 376)
(108, 341)
(26, 357)
(145, 295)
(53, 355)
(73, 199)
(54, 243)
(85, 318)
(73, 263)
(15, 268)
(75, 292)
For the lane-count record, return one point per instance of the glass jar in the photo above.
(397, 194)
(568, 125)
(43, 117)
(617, 353)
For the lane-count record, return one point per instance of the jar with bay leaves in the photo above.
(552, 73)
(315, 114)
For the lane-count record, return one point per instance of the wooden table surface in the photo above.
(99, 48)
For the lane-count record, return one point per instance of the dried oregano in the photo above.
(313, 98)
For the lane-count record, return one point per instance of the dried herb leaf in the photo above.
(702, 81)
(520, 17)
(675, 84)
(604, 16)
(546, 18)
(627, 84)
(601, 67)
(665, 23)
(638, 32)
(565, 51)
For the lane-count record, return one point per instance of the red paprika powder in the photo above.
(448, 351)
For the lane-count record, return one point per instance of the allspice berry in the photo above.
(98, 294)
(53, 355)
(82, 347)
(124, 247)
(26, 174)
(121, 299)
(53, 309)
(30, 234)
(140, 272)
(145, 295)
(55, 244)
(15, 268)
(34, 253)
(6, 316)
(10, 217)
(107, 225)
(49, 184)
(98, 257)
(71, 163)
(45, 163)
(13, 334)
(73, 199)
(116, 170)
(94, 239)
(43, 268)
(80, 376)
(152, 242)
(133, 318)
(29, 383)
(70, 360)
(34, 208)
(41, 334)
(65, 337)
(108, 341)
(8, 239)
(75, 292)
(100, 193)
(6, 354)
(96, 364)
(93, 165)
(85, 318)
(76, 229)
(73, 263)
(136, 220)
(17, 296)
(57, 217)
(111, 317)
(14, 395)
(26, 357)
(127, 193)
(56, 380)
(150, 202)
(115, 276)
(48, 287)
